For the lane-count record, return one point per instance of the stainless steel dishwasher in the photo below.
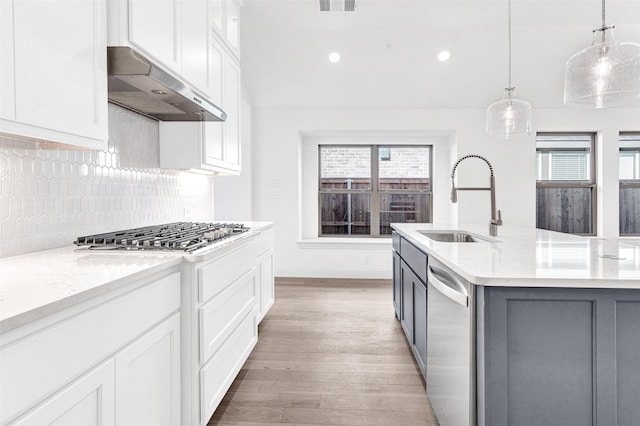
(451, 383)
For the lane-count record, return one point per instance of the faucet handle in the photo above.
(498, 221)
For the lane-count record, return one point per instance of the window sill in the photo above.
(344, 243)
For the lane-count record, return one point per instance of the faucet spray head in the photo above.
(454, 194)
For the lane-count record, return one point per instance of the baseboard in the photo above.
(384, 274)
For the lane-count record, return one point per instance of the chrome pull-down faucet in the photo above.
(496, 218)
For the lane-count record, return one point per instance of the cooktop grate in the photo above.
(183, 236)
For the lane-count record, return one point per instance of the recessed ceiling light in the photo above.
(334, 57)
(444, 55)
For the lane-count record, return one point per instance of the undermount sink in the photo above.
(456, 237)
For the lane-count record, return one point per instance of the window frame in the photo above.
(626, 183)
(375, 191)
(591, 183)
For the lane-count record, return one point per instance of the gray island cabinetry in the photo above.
(553, 341)
(410, 296)
(555, 356)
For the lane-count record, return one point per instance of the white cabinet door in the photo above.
(215, 15)
(88, 401)
(7, 71)
(266, 282)
(195, 41)
(148, 378)
(155, 27)
(232, 29)
(54, 71)
(232, 108)
(224, 17)
(213, 146)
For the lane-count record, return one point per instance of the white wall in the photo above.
(278, 139)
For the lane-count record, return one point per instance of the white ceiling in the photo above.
(389, 49)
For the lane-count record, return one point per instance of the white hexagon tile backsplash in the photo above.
(48, 197)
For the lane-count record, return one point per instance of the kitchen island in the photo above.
(527, 328)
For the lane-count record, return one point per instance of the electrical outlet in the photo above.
(366, 260)
(186, 213)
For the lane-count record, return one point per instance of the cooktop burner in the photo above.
(183, 236)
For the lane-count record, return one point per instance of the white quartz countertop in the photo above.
(523, 257)
(39, 284)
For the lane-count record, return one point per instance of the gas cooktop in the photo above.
(181, 236)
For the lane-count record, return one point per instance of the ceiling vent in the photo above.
(337, 5)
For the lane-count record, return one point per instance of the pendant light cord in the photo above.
(510, 88)
(604, 27)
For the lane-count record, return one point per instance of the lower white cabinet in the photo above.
(112, 360)
(266, 290)
(88, 401)
(219, 326)
(148, 378)
(217, 375)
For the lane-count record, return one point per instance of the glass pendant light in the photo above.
(605, 74)
(509, 116)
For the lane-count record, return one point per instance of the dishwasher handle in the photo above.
(448, 288)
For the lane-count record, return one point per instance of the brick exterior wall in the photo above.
(355, 162)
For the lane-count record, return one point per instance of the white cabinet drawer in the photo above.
(220, 317)
(72, 346)
(218, 374)
(214, 277)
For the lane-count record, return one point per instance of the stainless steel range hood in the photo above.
(137, 84)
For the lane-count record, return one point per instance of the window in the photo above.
(629, 161)
(565, 183)
(365, 188)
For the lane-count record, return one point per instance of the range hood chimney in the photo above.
(136, 83)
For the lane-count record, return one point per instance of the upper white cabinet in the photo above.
(153, 26)
(177, 34)
(196, 66)
(53, 71)
(232, 30)
(224, 16)
(211, 146)
(231, 105)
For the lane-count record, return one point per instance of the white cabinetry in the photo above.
(88, 401)
(219, 326)
(148, 378)
(224, 17)
(212, 146)
(53, 71)
(177, 34)
(231, 105)
(195, 45)
(112, 360)
(211, 63)
(154, 27)
(264, 244)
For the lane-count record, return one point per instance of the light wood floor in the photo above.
(329, 352)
